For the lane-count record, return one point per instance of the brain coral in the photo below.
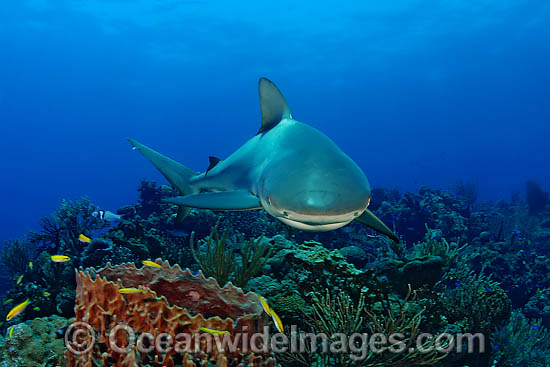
(172, 301)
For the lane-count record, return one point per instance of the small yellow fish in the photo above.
(10, 300)
(84, 239)
(277, 321)
(19, 279)
(130, 290)
(47, 293)
(60, 258)
(214, 331)
(17, 310)
(11, 332)
(266, 307)
(31, 265)
(36, 308)
(151, 263)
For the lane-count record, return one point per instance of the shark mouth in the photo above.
(312, 226)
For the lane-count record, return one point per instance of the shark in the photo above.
(290, 169)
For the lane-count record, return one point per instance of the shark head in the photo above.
(315, 188)
(319, 196)
(317, 207)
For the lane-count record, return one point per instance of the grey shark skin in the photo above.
(293, 171)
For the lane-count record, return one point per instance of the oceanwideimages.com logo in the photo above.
(80, 338)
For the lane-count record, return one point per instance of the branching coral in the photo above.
(435, 245)
(521, 343)
(477, 304)
(254, 254)
(60, 231)
(15, 256)
(332, 316)
(401, 318)
(216, 261)
(340, 315)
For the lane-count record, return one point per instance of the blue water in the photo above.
(417, 92)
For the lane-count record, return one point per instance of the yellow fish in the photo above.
(277, 321)
(36, 308)
(47, 293)
(151, 263)
(19, 279)
(31, 265)
(17, 310)
(11, 332)
(130, 290)
(60, 258)
(10, 300)
(84, 239)
(266, 307)
(214, 331)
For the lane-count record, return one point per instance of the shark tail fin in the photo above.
(372, 221)
(176, 173)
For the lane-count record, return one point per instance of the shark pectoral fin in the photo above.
(372, 221)
(273, 105)
(224, 200)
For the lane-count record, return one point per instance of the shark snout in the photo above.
(317, 209)
(322, 202)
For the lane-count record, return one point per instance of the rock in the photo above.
(485, 236)
(417, 272)
(264, 285)
(34, 344)
(355, 255)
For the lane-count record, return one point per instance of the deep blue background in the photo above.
(417, 92)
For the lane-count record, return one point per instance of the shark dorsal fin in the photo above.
(213, 162)
(273, 105)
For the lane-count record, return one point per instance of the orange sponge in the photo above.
(172, 301)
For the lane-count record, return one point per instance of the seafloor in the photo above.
(463, 267)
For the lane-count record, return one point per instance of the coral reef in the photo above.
(16, 255)
(431, 282)
(521, 343)
(446, 211)
(34, 343)
(218, 262)
(334, 315)
(60, 231)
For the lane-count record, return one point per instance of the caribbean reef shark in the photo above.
(293, 171)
